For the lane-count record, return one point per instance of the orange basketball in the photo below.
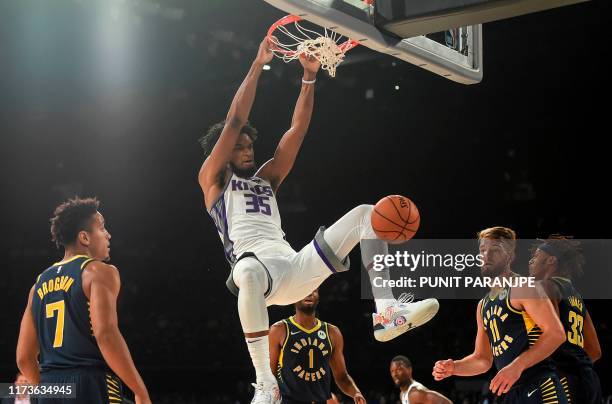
(395, 219)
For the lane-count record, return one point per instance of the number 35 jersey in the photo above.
(247, 219)
(61, 314)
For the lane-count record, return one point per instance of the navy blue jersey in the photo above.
(61, 315)
(511, 332)
(572, 312)
(303, 366)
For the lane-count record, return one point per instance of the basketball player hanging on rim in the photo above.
(266, 270)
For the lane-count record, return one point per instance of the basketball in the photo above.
(395, 219)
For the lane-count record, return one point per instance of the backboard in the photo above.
(403, 28)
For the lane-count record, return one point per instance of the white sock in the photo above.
(383, 296)
(260, 355)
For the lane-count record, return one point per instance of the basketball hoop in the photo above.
(326, 47)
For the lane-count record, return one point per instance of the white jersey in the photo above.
(404, 394)
(247, 219)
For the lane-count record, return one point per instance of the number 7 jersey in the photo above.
(247, 219)
(61, 314)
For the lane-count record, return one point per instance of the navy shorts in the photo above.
(92, 386)
(583, 386)
(543, 390)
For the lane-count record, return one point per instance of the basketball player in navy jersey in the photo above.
(69, 331)
(303, 350)
(411, 391)
(517, 329)
(266, 270)
(555, 262)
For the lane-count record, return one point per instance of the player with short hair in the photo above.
(411, 391)
(69, 331)
(24, 398)
(555, 262)
(517, 329)
(266, 270)
(305, 352)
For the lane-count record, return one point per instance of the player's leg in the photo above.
(585, 386)
(351, 229)
(393, 317)
(252, 280)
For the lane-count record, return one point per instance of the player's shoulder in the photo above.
(279, 324)
(278, 332)
(332, 327)
(528, 292)
(417, 390)
(334, 333)
(101, 270)
(552, 287)
(480, 305)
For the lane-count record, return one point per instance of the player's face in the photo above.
(21, 379)
(99, 239)
(243, 156)
(538, 265)
(495, 256)
(400, 373)
(309, 303)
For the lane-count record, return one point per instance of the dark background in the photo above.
(108, 98)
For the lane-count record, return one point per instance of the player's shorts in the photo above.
(583, 386)
(92, 386)
(294, 276)
(542, 390)
(292, 401)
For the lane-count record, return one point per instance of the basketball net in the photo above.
(325, 47)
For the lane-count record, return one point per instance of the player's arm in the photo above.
(338, 366)
(276, 337)
(236, 118)
(425, 396)
(477, 363)
(591, 341)
(27, 344)
(277, 168)
(103, 293)
(542, 312)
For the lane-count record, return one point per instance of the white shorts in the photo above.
(294, 276)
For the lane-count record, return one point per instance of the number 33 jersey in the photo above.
(247, 219)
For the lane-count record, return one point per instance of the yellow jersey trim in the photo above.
(331, 346)
(87, 261)
(280, 357)
(512, 309)
(70, 260)
(313, 329)
(529, 323)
